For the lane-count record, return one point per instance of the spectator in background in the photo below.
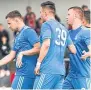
(31, 17)
(28, 10)
(86, 20)
(39, 23)
(3, 32)
(85, 8)
(5, 48)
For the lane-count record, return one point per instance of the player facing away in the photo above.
(54, 38)
(25, 50)
(79, 74)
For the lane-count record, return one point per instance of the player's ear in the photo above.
(16, 19)
(45, 13)
(75, 16)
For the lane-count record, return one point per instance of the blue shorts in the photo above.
(76, 83)
(22, 82)
(48, 81)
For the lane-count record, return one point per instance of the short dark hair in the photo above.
(28, 7)
(57, 18)
(31, 13)
(84, 6)
(14, 14)
(1, 24)
(78, 10)
(50, 5)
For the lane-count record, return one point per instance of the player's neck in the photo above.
(76, 25)
(50, 17)
(21, 25)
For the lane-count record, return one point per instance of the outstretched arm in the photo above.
(8, 58)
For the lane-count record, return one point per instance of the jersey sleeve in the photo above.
(86, 37)
(15, 46)
(31, 36)
(45, 31)
(69, 41)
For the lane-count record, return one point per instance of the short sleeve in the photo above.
(86, 37)
(31, 36)
(69, 41)
(15, 47)
(45, 31)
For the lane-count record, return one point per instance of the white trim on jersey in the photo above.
(39, 85)
(20, 82)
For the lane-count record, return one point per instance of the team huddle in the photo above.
(40, 60)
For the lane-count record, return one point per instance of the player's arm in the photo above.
(46, 36)
(86, 54)
(8, 58)
(34, 50)
(72, 48)
(70, 45)
(44, 49)
(43, 52)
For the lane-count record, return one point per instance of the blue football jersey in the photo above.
(25, 40)
(53, 62)
(81, 39)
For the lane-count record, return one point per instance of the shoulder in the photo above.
(85, 33)
(28, 30)
(46, 24)
(85, 30)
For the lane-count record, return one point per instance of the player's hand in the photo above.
(37, 68)
(85, 55)
(19, 60)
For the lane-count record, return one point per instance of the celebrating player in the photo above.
(54, 38)
(79, 74)
(25, 50)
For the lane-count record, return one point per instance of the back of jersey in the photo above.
(53, 62)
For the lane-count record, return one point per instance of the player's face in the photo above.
(70, 17)
(12, 24)
(43, 13)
